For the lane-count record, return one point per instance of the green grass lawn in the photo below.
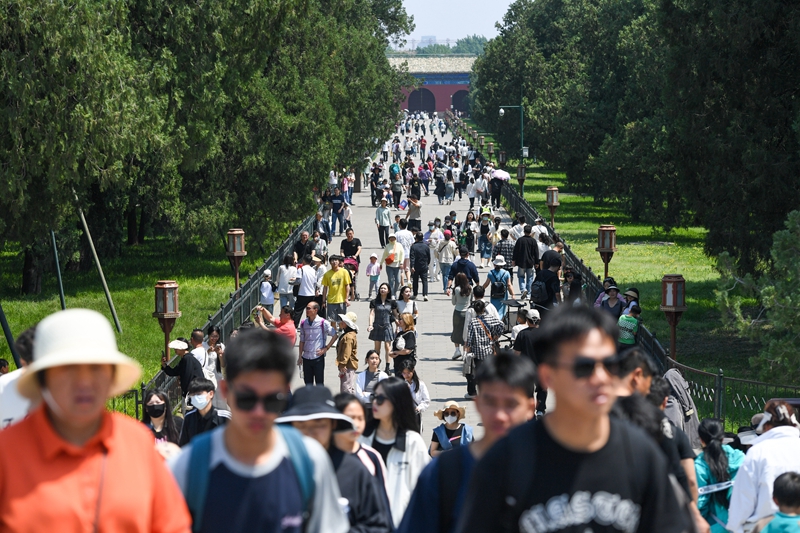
(640, 262)
(205, 281)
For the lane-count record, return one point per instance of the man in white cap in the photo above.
(187, 369)
(72, 465)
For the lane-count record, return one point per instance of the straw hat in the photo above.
(77, 337)
(462, 412)
(350, 319)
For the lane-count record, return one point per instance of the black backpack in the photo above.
(539, 293)
(498, 288)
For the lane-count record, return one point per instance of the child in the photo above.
(348, 215)
(396, 226)
(786, 495)
(629, 327)
(374, 273)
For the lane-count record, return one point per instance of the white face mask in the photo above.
(200, 400)
(451, 419)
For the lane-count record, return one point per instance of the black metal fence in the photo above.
(732, 400)
(231, 315)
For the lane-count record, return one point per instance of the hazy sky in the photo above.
(454, 19)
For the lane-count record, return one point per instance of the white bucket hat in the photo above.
(77, 337)
(350, 319)
(499, 261)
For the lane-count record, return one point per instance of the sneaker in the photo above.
(456, 355)
(539, 415)
(524, 295)
(424, 298)
(469, 396)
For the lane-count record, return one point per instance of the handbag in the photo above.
(468, 365)
(495, 343)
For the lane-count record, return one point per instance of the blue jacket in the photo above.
(467, 267)
(706, 503)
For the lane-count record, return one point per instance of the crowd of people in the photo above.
(242, 450)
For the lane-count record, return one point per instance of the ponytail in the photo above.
(711, 432)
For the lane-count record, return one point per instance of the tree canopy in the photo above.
(185, 118)
(682, 111)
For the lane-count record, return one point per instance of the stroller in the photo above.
(351, 264)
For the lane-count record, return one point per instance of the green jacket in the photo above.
(706, 503)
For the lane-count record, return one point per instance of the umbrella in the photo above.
(501, 175)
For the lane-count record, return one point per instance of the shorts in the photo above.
(334, 310)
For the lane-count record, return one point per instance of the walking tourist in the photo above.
(404, 346)
(347, 352)
(317, 336)
(66, 466)
(420, 258)
(462, 295)
(204, 417)
(373, 272)
(484, 330)
(287, 274)
(187, 369)
(266, 475)
(336, 289)
(501, 287)
(394, 434)
(382, 317)
(718, 463)
(383, 220)
(368, 378)
(576, 453)
(314, 415)
(419, 391)
(157, 416)
(393, 256)
(526, 258)
(451, 433)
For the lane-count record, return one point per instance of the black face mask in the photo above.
(156, 411)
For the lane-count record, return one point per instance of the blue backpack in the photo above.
(199, 472)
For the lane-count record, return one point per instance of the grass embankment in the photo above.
(205, 279)
(644, 255)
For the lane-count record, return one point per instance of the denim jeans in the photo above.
(334, 217)
(393, 273)
(485, 247)
(526, 276)
(445, 272)
(287, 299)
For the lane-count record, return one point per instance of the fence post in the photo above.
(719, 396)
(140, 398)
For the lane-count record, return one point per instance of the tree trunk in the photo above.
(144, 220)
(132, 227)
(31, 274)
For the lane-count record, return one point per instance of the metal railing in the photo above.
(231, 315)
(732, 400)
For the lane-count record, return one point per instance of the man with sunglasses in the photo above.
(252, 474)
(577, 469)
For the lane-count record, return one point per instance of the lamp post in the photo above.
(606, 243)
(236, 250)
(167, 311)
(491, 151)
(502, 158)
(673, 304)
(552, 204)
(521, 170)
(522, 150)
(480, 141)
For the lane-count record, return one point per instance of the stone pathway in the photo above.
(441, 375)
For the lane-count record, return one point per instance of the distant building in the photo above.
(426, 40)
(445, 82)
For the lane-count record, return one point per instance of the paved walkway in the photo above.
(441, 375)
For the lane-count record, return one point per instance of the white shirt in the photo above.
(13, 406)
(284, 275)
(421, 397)
(332, 179)
(405, 238)
(267, 296)
(775, 452)
(308, 281)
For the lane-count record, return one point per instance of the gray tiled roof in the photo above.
(434, 65)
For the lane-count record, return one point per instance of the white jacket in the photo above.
(361, 378)
(407, 458)
(775, 452)
(421, 397)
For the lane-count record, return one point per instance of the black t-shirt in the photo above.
(524, 343)
(453, 435)
(624, 486)
(382, 449)
(350, 248)
(303, 249)
(550, 257)
(410, 339)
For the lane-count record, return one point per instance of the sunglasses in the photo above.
(450, 413)
(583, 367)
(271, 403)
(379, 399)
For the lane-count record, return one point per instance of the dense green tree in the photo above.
(472, 44)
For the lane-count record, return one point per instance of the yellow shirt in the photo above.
(337, 283)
